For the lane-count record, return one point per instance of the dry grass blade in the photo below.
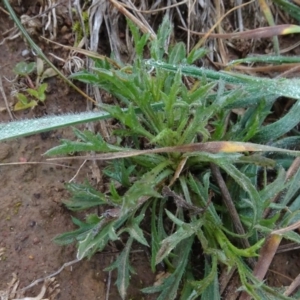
(293, 286)
(88, 53)
(263, 32)
(288, 247)
(151, 11)
(266, 256)
(269, 17)
(286, 68)
(290, 71)
(178, 171)
(140, 16)
(229, 204)
(221, 46)
(135, 20)
(5, 99)
(239, 15)
(225, 278)
(34, 163)
(97, 12)
(212, 147)
(287, 229)
(206, 35)
(3, 10)
(67, 264)
(12, 292)
(181, 202)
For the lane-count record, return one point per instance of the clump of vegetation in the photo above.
(156, 171)
(77, 28)
(35, 93)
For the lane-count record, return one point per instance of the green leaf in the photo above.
(295, 205)
(22, 68)
(157, 229)
(117, 82)
(48, 73)
(95, 240)
(182, 233)
(177, 54)
(208, 287)
(39, 66)
(139, 41)
(22, 98)
(278, 87)
(268, 59)
(133, 227)
(28, 127)
(86, 77)
(84, 196)
(293, 189)
(159, 46)
(130, 119)
(144, 188)
(169, 288)
(33, 93)
(174, 219)
(292, 236)
(250, 123)
(198, 94)
(280, 127)
(290, 8)
(90, 142)
(272, 189)
(41, 91)
(124, 269)
(241, 179)
(118, 171)
(212, 290)
(202, 190)
(20, 105)
(71, 236)
(196, 54)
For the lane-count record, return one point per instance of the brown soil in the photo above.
(32, 213)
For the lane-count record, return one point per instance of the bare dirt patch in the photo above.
(32, 213)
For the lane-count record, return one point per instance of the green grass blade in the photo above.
(280, 127)
(269, 17)
(280, 87)
(289, 7)
(266, 59)
(28, 127)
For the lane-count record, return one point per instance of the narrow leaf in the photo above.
(33, 126)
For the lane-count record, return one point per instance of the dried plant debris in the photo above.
(2, 249)
(49, 290)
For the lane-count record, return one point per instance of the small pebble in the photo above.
(32, 224)
(64, 29)
(25, 52)
(5, 151)
(24, 238)
(37, 195)
(36, 240)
